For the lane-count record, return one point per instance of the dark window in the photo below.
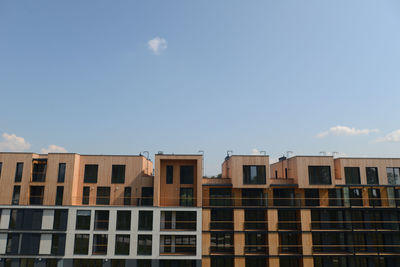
(1, 167)
(253, 197)
(289, 242)
(222, 242)
(286, 173)
(100, 244)
(103, 196)
(39, 170)
(82, 220)
(220, 197)
(319, 174)
(144, 244)
(101, 220)
(335, 197)
(147, 196)
(58, 244)
(145, 220)
(13, 244)
(36, 195)
(61, 172)
(186, 197)
(393, 175)
(16, 194)
(122, 243)
(18, 171)
(118, 174)
(255, 219)
(170, 174)
(221, 219)
(374, 195)
(256, 261)
(26, 219)
(124, 220)
(185, 220)
(118, 263)
(284, 197)
(91, 173)
(166, 244)
(87, 263)
(355, 195)
(85, 195)
(59, 195)
(312, 197)
(127, 196)
(254, 174)
(276, 174)
(222, 261)
(288, 219)
(187, 174)
(60, 220)
(81, 246)
(255, 243)
(352, 175)
(185, 244)
(143, 263)
(166, 222)
(372, 175)
(30, 244)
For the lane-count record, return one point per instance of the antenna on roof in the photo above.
(323, 153)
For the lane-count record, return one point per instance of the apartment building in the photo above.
(109, 210)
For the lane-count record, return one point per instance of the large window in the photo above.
(61, 172)
(319, 175)
(18, 171)
(393, 175)
(185, 220)
(186, 197)
(284, 197)
(103, 195)
(312, 197)
(187, 174)
(83, 220)
(39, 170)
(254, 174)
(255, 243)
(170, 174)
(221, 219)
(118, 174)
(220, 197)
(60, 220)
(122, 244)
(374, 195)
(91, 173)
(147, 196)
(36, 195)
(58, 244)
(355, 195)
(59, 195)
(23, 244)
(372, 175)
(185, 244)
(335, 197)
(124, 220)
(101, 220)
(352, 175)
(81, 246)
(16, 194)
(26, 219)
(289, 242)
(255, 219)
(222, 242)
(253, 197)
(145, 220)
(144, 245)
(288, 219)
(100, 244)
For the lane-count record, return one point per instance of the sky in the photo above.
(123, 77)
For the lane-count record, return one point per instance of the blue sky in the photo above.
(218, 76)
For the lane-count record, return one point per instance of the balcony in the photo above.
(256, 249)
(222, 249)
(282, 181)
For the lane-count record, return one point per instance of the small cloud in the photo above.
(255, 151)
(346, 131)
(390, 137)
(13, 143)
(157, 44)
(53, 149)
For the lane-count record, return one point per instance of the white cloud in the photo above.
(346, 131)
(255, 151)
(53, 149)
(13, 143)
(390, 137)
(157, 44)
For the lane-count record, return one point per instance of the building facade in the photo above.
(108, 210)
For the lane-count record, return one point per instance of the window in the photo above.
(254, 174)
(185, 244)
(36, 195)
(355, 195)
(145, 220)
(30, 244)
(58, 244)
(372, 175)
(26, 219)
(61, 172)
(18, 171)
(288, 219)
(222, 261)
(222, 242)
(103, 196)
(253, 197)
(220, 197)
(144, 244)
(59, 195)
(118, 174)
(147, 196)
(60, 220)
(312, 197)
(39, 170)
(319, 175)
(374, 195)
(221, 219)
(127, 196)
(85, 195)
(16, 193)
(187, 174)
(393, 175)
(12, 244)
(1, 167)
(255, 219)
(81, 246)
(166, 244)
(124, 220)
(91, 173)
(186, 197)
(284, 197)
(101, 220)
(122, 243)
(289, 243)
(100, 244)
(82, 220)
(170, 174)
(352, 175)
(185, 220)
(255, 243)
(335, 197)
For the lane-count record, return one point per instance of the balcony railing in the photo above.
(223, 249)
(262, 249)
(177, 249)
(178, 225)
(256, 225)
(221, 225)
